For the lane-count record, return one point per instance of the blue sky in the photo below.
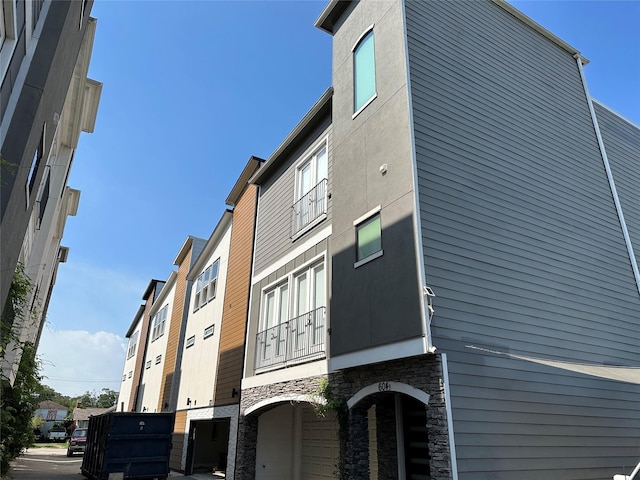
(191, 90)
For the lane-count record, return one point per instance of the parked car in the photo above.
(57, 433)
(77, 442)
(634, 475)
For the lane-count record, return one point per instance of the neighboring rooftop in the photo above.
(85, 413)
(51, 405)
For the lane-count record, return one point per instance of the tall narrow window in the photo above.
(158, 321)
(364, 72)
(206, 285)
(311, 190)
(133, 342)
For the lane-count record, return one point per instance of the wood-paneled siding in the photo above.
(622, 144)
(522, 246)
(277, 196)
(177, 440)
(173, 339)
(236, 300)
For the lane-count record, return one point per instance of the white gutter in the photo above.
(607, 167)
(426, 309)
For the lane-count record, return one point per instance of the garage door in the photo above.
(320, 446)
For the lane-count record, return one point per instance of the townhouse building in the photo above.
(444, 261)
(132, 387)
(211, 364)
(186, 342)
(46, 101)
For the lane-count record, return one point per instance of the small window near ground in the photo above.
(368, 239)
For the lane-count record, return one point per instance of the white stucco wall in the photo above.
(152, 376)
(200, 361)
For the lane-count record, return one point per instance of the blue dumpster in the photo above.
(126, 446)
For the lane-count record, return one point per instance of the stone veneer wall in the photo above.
(422, 372)
(211, 413)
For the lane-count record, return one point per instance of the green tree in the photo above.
(17, 407)
(18, 401)
(107, 398)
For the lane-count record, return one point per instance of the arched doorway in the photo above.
(388, 427)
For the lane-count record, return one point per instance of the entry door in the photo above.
(191, 439)
(416, 439)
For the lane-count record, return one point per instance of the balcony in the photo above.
(311, 207)
(299, 340)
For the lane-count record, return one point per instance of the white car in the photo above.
(633, 475)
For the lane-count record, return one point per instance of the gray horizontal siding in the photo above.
(273, 224)
(523, 247)
(622, 144)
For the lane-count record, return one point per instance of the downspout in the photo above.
(426, 307)
(607, 167)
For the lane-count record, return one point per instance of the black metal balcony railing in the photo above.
(291, 342)
(309, 207)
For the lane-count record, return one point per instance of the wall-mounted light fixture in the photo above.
(188, 401)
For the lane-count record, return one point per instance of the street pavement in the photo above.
(53, 464)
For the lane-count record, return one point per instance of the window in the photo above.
(293, 325)
(158, 322)
(368, 238)
(130, 373)
(206, 285)
(310, 292)
(364, 72)
(276, 306)
(35, 164)
(208, 332)
(44, 197)
(190, 341)
(147, 366)
(311, 190)
(124, 377)
(158, 359)
(133, 341)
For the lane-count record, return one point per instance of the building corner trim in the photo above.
(607, 167)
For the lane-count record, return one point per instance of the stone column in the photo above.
(357, 455)
(246, 449)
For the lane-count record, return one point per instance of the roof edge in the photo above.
(212, 243)
(330, 14)
(307, 121)
(134, 324)
(250, 168)
(539, 28)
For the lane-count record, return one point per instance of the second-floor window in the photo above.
(133, 341)
(311, 190)
(293, 318)
(158, 322)
(206, 285)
